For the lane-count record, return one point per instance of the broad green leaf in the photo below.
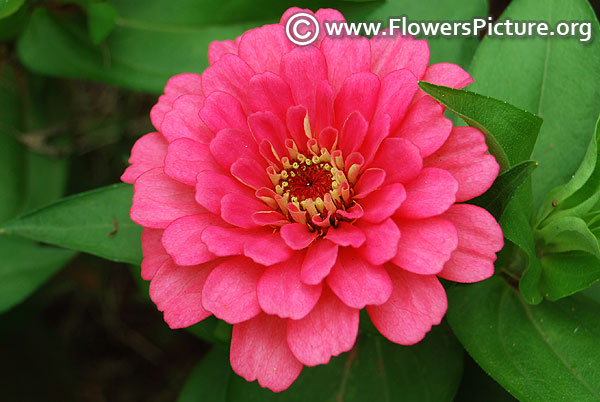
(101, 20)
(567, 273)
(150, 44)
(584, 184)
(96, 222)
(477, 386)
(210, 379)
(375, 369)
(24, 266)
(556, 78)
(496, 199)
(538, 353)
(568, 233)
(510, 132)
(516, 227)
(9, 7)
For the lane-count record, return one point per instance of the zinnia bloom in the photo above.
(286, 188)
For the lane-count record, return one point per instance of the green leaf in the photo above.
(582, 192)
(516, 227)
(510, 132)
(587, 172)
(544, 353)
(212, 330)
(102, 18)
(9, 7)
(24, 266)
(150, 44)
(375, 369)
(96, 222)
(496, 199)
(568, 233)
(553, 77)
(209, 380)
(568, 273)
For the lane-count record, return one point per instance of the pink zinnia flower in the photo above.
(287, 188)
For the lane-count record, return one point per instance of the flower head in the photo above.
(287, 188)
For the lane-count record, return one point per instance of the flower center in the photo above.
(307, 179)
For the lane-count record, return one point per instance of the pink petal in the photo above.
(345, 56)
(269, 218)
(231, 75)
(303, 69)
(224, 241)
(182, 239)
(353, 133)
(358, 283)
(230, 145)
(267, 126)
(267, 249)
(154, 253)
(318, 261)
(237, 210)
(221, 111)
(158, 200)
(177, 291)
(295, 124)
(147, 153)
(259, 351)
(447, 74)
(369, 181)
(324, 116)
(382, 241)
(389, 53)
(479, 239)
(383, 203)
(218, 49)
(230, 290)
(182, 84)
(262, 48)
(378, 131)
(426, 245)
(430, 194)
(183, 121)
(269, 93)
(346, 235)
(359, 92)
(250, 173)
(400, 159)
(297, 235)
(211, 187)
(328, 330)
(417, 303)
(425, 126)
(281, 292)
(465, 156)
(395, 95)
(186, 158)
